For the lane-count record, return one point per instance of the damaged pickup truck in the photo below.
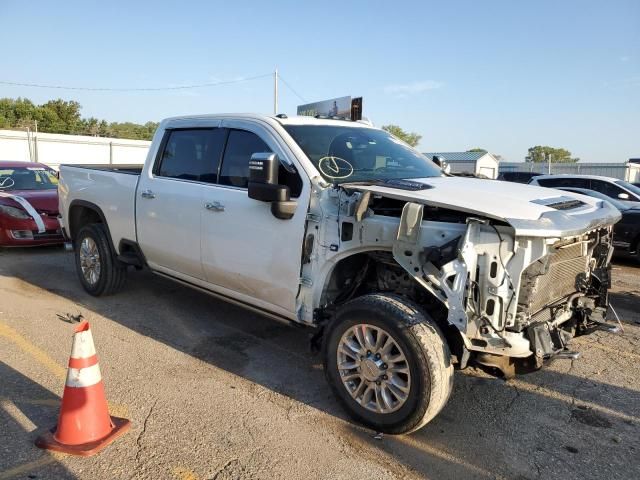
(403, 271)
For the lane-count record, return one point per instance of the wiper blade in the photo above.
(398, 183)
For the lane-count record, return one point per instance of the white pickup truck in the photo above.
(403, 270)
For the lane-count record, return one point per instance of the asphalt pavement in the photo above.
(216, 392)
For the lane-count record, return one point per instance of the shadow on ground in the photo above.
(26, 409)
(552, 423)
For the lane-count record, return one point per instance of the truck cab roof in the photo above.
(282, 120)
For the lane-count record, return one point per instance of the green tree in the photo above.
(410, 138)
(539, 154)
(476, 149)
(62, 116)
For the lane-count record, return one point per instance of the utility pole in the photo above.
(35, 141)
(29, 143)
(275, 92)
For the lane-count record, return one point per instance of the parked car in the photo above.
(28, 205)
(402, 271)
(517, 177)
(611, 187)
(626, 233)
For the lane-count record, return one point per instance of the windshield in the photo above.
(27, 178)
(353, 154)
(629, 186)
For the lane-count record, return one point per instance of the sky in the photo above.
(500, 75)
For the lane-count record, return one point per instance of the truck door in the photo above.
(170, 196)
(246, 251)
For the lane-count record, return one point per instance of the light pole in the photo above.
(275, 92)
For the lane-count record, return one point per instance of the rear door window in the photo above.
(192, 154)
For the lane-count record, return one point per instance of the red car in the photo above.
(28, 205)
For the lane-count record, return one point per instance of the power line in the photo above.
(146, 89)
(291, 88)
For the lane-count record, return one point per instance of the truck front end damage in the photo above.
(515, 291)
(516, 300)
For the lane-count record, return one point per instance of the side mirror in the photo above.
(442, 163)
(623, 196)
(264, 187)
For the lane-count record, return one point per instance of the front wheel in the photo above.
(99, 271)
(388, 363)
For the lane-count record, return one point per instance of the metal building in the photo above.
(477, 163)
(629, 171)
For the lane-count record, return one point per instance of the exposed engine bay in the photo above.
(505, 301)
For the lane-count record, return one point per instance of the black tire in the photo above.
(112, 272)
(427, 356)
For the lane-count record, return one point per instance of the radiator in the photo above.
(554, 278)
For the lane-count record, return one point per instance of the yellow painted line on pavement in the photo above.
(449, 457)
(35, 352)
(624, 353)
(49, 363)
(28, 467)
(184, 474)
(17, 415)
(115, 409)
(46, 402)
(555, 395)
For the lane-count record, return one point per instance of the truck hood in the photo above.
(532, 211)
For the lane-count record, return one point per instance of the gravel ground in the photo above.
(215, 392)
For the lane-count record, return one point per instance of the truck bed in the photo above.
(131, 169)
(111, 188)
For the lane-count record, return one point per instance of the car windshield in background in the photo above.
(27, 178)
(629, 186)
(354, 154)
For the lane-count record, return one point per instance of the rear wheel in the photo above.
(99, 271)
(388, 363)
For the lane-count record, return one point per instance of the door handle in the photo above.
(215, 206)
(147, 194)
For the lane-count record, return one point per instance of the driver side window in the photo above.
(241, 144)
(609, 189)
(235, 163)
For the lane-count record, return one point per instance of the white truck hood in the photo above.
(530, 210)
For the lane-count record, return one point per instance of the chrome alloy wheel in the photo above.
(373, 368)
(90, 260)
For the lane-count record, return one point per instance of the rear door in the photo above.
(169, 199)
(246, 251)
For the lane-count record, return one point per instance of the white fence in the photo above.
(622, 170)
(53, 149)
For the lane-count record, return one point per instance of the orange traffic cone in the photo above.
(84, 426)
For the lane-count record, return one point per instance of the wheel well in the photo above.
(378, 272)
(81, 215)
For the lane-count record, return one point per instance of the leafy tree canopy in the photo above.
(476, 149)
(62, 116)
(539, 154)
(411, 138)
